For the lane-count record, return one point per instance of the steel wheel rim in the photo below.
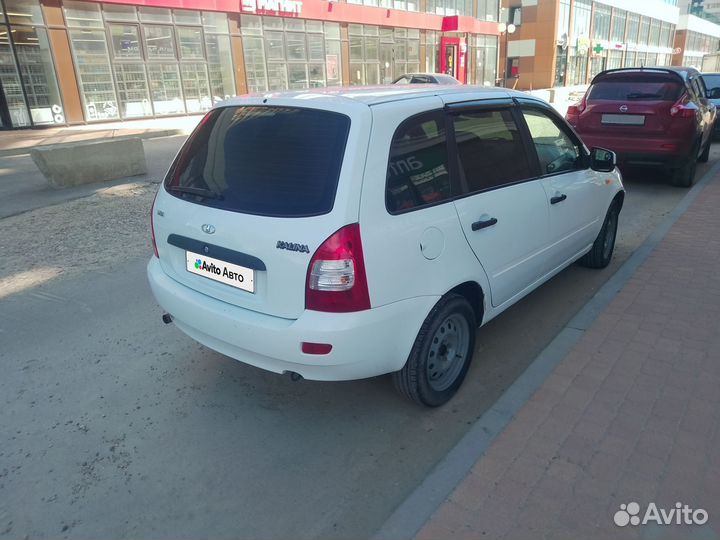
(448, 352)
(610, 232)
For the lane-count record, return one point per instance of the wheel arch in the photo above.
(619, 198)
(474, 294)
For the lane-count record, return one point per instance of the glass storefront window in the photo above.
(182, 16)
(601, 23)
(165, 88)
(216, 22)
(618, 26)
(297, 76)
(191, 43)
(125, 42)
(274, 45)
(38, 75)
(277, 76)
(633, 25)
(82, 14)
(24, 11)
(332, 30)
(196, 87)
(644, 31)
(11, 85)
(117, 12)
(132, 90)
(155, 15)
(251, 25)
(254, 53)
(94, 73)
(295, 44)
(295, 24)
(316, 47)
(159, 41)
(220, 67)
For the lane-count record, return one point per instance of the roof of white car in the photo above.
(373, 95)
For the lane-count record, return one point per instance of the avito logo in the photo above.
(629, 514)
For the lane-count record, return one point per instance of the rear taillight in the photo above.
(336, 279)
(573, 111)
(152, 226)
(683, 107)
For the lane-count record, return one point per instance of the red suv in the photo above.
(648, 116)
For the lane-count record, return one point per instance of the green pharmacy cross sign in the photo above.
(597, 49)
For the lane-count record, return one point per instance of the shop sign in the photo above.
(676, 50)
(272, 7)
(583, 44)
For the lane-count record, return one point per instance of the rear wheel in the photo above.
(602, 250)
(684, 176)
(706, 152)
(441, 354)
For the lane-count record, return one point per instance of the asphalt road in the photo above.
(116, 425)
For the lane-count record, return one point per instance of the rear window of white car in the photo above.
(270, 161)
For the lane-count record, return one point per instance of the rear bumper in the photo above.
(636, 151)
(365, 343)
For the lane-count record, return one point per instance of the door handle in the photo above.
(558, 198)
(482, 224)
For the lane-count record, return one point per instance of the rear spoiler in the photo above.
(658, 70)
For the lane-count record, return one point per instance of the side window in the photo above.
(417, 173)
(556, 151)
(490, 149)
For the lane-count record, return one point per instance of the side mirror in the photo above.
(714, 93)
(602, 160)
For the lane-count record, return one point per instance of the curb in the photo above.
(412, 514)
(25, 150)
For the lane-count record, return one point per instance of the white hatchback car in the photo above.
(345, 233)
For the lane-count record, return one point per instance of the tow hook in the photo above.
(167, 318)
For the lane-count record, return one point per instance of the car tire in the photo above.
(441, 354)
(706, 152)
(602, 249)
(684, 176)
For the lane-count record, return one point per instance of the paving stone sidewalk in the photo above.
(631, 414)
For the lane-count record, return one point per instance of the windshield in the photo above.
(272, 161)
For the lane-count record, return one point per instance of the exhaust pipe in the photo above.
(294, 377)
(167, 318)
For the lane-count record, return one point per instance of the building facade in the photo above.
(80, 61)
(567, 42)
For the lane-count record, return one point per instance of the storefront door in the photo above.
(453, 58)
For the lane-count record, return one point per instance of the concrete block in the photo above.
(84, 162)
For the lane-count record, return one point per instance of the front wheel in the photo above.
(601, 252)
(441, 354)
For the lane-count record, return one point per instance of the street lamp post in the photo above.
(506, 29)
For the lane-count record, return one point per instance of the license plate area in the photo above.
(221, 271)
(624, 119)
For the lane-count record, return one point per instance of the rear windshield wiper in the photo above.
(641, 95)
(199, 192)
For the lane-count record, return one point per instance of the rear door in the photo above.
(260, 187)
(504, 214)
(638, 102)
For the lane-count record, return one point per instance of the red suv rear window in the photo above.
(624, 90)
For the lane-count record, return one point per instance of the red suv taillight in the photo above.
(683, 107)
(573, 111)
(336, 279)
(152, 226)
